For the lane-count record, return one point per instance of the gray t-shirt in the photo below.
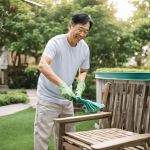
(65, 62)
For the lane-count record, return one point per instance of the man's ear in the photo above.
(69, 26)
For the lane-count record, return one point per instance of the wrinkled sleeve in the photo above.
(86, 62)
(50, 49)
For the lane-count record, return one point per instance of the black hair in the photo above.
(82, 18)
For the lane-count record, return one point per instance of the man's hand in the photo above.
(66, 91)
(80, 88)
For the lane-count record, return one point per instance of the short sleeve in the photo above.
(86, 62)
(50, 49)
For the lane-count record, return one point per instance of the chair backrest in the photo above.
(129, 101)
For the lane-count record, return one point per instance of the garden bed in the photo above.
(13, 97)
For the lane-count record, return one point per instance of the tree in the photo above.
(142, 9)
(138, 34)
(30, 28)
(4, 32)
(103, 37)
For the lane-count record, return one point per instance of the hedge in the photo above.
(27, 78)
(13, 97)
(122, 70)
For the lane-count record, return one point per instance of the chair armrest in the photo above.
(83, 118)
(134, 140)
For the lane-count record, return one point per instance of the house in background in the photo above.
(5, 59)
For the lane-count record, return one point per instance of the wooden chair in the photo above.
(120, 125)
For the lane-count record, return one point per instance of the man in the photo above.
(62, 57)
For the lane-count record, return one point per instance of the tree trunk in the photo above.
(36, 60)
(15, 59)
(138, 61)
(19, 59)
(25, 59)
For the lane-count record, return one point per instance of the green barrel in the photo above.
(136, 76)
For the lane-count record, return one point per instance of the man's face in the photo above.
(79, 32)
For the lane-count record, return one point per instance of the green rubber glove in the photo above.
(80, 88)
(66, 91)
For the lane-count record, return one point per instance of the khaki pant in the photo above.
(44, 125)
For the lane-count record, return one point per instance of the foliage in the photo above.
(19, 29)
(102, 39)
(1, 52)
(4, 31)
(27, 29)
(27, 78)
(3, 92)
(17, 83)
(35, 26)
(21, 91)
(13, 97)
(139, 35)
(142, 10)
(122, 70)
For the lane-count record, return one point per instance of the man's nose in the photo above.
(82, 34)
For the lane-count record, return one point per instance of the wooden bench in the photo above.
(123, 121)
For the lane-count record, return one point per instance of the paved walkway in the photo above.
(11, 109)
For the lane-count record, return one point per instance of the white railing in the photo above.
(4, 62)
(5, 59)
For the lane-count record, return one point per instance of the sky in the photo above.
(124, 9)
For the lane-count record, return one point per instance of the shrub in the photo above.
(27, 78)
(22, 91)
(18, 82)
(13, 97)
(122, 70)
(4, 92)
(4, 100)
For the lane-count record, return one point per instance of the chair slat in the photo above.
(127, 102)
(119, 107)
(127, 112)
(101, 135)
(115, 111)
(79, 143)
(131, 148)
(131, 108)
(136, 112)
(124, 102)
(70, 147)
(111, 97)
(142, 103)
(147, 128)
(99, 89)
(85, 139)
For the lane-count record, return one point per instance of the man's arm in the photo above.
(82, 74)
(47, 71)
(81, 84)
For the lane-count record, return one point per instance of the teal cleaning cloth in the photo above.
(89, 105)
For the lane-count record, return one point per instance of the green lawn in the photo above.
(16, 130)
